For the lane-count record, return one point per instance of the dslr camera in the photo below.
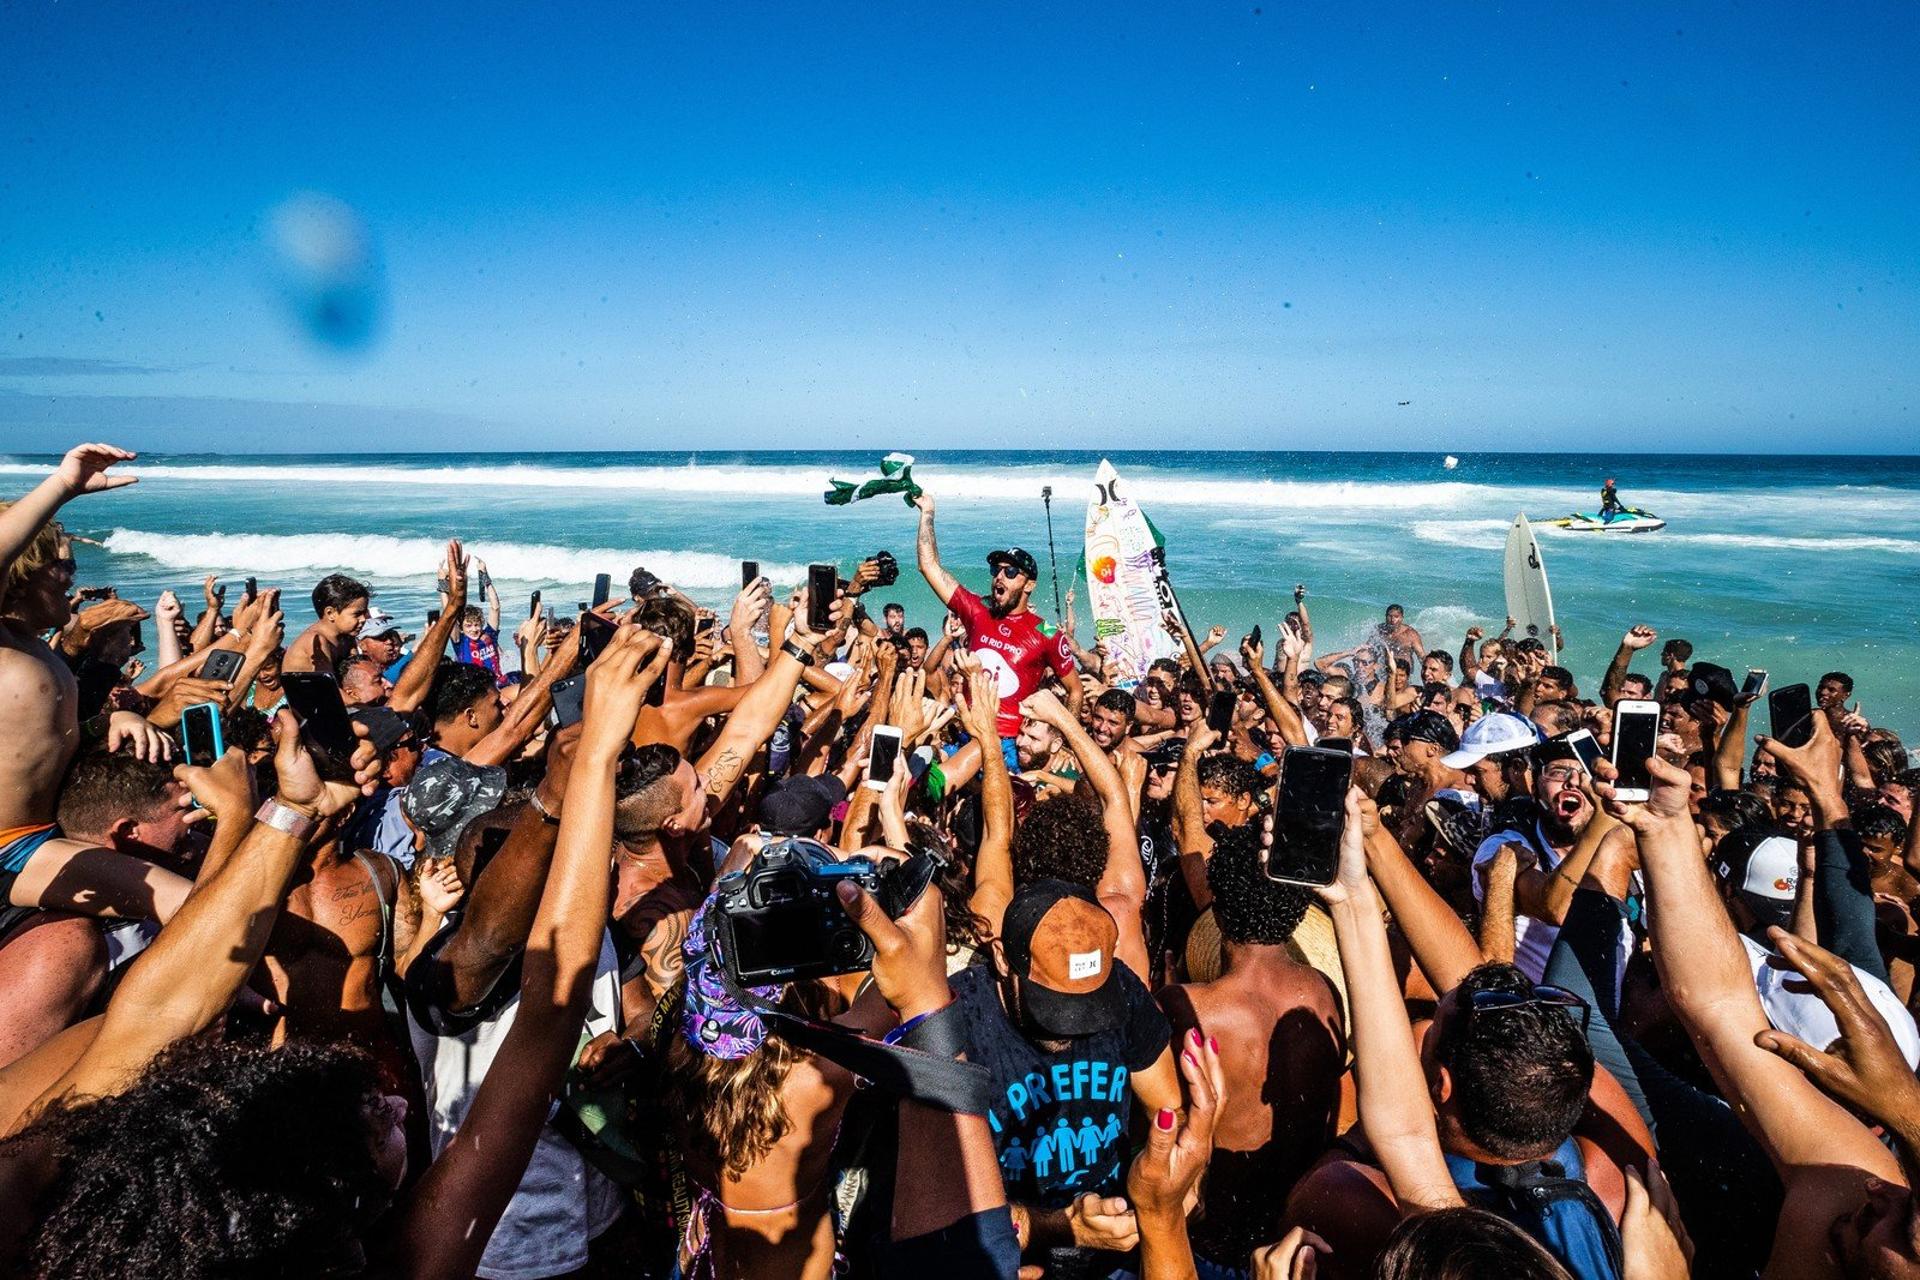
(779, 921)
(889, 568)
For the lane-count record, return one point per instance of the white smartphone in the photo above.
(1636, 728)
(1756, 683)
(884, 757)
(1585, 748)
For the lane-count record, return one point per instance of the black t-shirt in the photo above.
(1059, 1120)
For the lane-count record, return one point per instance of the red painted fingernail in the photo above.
(1194, 1035)
(1187, 1054)
(1164, 1121)
(1213, 1044)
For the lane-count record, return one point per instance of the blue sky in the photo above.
(1260, 225)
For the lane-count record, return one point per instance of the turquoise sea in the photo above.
(1797, 564)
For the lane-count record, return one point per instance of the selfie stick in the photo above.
(1053, 558)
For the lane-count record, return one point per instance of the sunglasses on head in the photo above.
(1543, 996)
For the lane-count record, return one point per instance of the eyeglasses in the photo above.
(1566, 775)
(1543, 997)
(1008, 571)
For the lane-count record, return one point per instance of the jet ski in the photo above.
(1625, 520)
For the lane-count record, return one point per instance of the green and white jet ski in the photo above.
(1625, 520)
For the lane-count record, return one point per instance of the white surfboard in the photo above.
(1124, 587)
(1529, 601)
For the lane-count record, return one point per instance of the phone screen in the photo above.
(602, 588)
(200, 734)
(823, 583)
(1756, 681)
(749, 570)
(1310, 816)
(1220, 710)
(1585, 749)
(1791, 709)
(315, 698)
(1634, 735)
(595, 632)
(886, 753)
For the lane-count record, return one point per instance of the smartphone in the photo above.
(602, 588)
(443, 585)
(139, 639)
(569, 700)
(1586, 749)
(1791, 709)
(595, 633)
(885, 757)
(200, 733)
(433, 616)
(1220, 710)
(1636, 727)
(252, 589)
(1756, 682)
(221, 664)
(315, 699)
(1344, 745)
(749, 572)
(533, 604)
(1310, 815)
(1253, 636)
(823, 583)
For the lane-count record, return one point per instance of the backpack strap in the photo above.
(1560, 1212)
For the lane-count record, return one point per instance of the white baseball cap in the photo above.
(1494, 734)
(1791, 1006)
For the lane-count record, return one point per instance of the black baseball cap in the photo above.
(384, 726)
(1426, 726)
(1167, 754)
(1019, 557)
(800, 806)
(1710, 682)
(1059, 941)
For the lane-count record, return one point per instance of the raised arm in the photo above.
(1123, 883)
(977, 704)
(488, 591)
(754, 718)
(928, 551)
(1638, 637)
(1441, 945)
(1393, 1102)
(83, 470)
(453, 1209)
(1189, 818)
(416, 678)
(188, 977)
(1293, 730)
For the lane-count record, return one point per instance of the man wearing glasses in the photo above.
(1002, 631)
(1563, 810)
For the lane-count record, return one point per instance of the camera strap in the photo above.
(946, 1083)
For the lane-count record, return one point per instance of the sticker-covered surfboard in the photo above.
(1127, 591)
(1529, 601)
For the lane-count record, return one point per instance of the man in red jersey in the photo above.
(1001, 630)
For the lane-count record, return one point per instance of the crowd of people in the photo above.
(802, 941)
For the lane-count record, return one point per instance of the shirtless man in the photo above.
(1399, 635)
(38, 700)
(682, 711)
(1282, 1046)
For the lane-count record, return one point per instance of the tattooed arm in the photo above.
(755, 716)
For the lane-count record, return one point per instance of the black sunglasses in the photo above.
(1008, 571)
(1543, 997)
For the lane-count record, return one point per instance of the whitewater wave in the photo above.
(1475, 535)
(1000, 484)
(1773, 542)
(387, 558)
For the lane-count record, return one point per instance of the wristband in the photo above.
(942, 1033)
(797, 653)
(546, 815)
(282, 817)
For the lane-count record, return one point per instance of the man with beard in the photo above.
(1002, 631)
(1564, 812)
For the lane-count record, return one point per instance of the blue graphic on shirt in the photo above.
(1063, 1131)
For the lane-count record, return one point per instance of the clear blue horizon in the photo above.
(1264, 226)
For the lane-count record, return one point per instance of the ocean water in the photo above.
(1797, 564)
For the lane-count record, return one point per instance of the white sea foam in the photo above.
(1773, 542)
(397, 559)
(1445, 619)
(1475, 535)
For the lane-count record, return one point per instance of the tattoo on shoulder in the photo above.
(663, 953)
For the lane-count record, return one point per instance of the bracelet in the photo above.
(284, 817)
(546, 815)
(797, 653)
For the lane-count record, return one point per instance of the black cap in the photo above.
(800, 806)
(384, 726)
(1167, 753)
(643, 584)
(1426, 726)
(1711, 683)
(1060, 942)
(1019, 557)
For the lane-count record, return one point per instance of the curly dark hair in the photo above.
(1232, 775)
(1463, 1244)
(456, 687)
(1879, 820)
(1520, 1073)
(1249, 907)
(1061, 839)
(1735, 808)
(337, 591)
(224, 1159)
(671, 619)
(1120, 700)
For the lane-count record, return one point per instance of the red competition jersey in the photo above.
(1014, 649)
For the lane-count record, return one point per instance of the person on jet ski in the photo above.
(1610, 502)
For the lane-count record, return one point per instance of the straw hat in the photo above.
(1312, 944)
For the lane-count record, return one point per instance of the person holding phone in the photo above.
(479, 638)
(1001, 630)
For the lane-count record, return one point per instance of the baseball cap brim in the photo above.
(1065, 1014)
(1465, 756)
